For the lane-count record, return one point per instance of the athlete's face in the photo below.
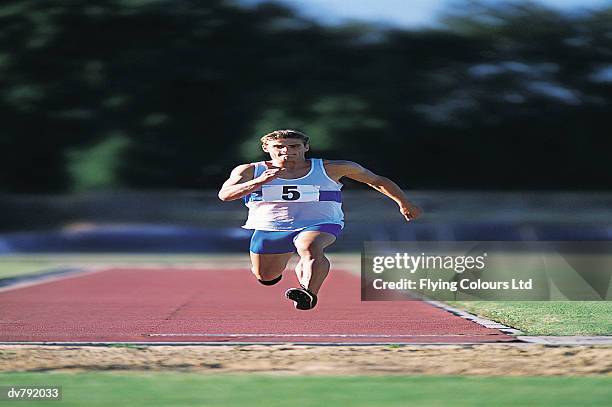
(283, 150)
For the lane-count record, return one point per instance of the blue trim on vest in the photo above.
(253, 196)
(330, 196)
(335, 196)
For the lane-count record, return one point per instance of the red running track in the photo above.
(205, 305)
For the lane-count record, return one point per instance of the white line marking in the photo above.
(233, 343)
(487, 323)
(568, 340)
(44, 280)
(273, 335)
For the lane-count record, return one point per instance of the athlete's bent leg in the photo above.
(269, 267)
(313, 266)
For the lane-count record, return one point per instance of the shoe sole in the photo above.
(303, 300)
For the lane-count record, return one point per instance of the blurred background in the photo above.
(121, 119)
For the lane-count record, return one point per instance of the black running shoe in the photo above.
(304, 299)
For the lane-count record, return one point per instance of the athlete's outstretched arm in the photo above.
(382, 184)
(241, 182)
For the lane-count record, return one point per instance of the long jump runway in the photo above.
(180, 305)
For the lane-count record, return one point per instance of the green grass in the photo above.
(546, 317)
(17, 265)
(10, 268)
(22, 264)
(187, 389)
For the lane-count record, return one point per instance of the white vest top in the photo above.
(297, 203)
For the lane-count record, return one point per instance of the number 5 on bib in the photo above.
(290, 193)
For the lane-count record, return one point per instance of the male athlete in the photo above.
(295, 204)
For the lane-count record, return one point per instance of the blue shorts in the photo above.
(274, 242)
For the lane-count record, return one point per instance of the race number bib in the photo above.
(290, 193)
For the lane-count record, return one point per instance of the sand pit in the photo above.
(490, 360)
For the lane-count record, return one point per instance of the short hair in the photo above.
(285, 134)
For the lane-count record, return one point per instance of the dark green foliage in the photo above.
(506, 97)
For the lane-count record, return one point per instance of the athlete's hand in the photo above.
(269, 174)
(410, 212)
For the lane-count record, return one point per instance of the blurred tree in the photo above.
(173, 94)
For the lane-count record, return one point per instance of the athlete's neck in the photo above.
(290, 164)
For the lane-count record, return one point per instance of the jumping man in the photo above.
(295, 204)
